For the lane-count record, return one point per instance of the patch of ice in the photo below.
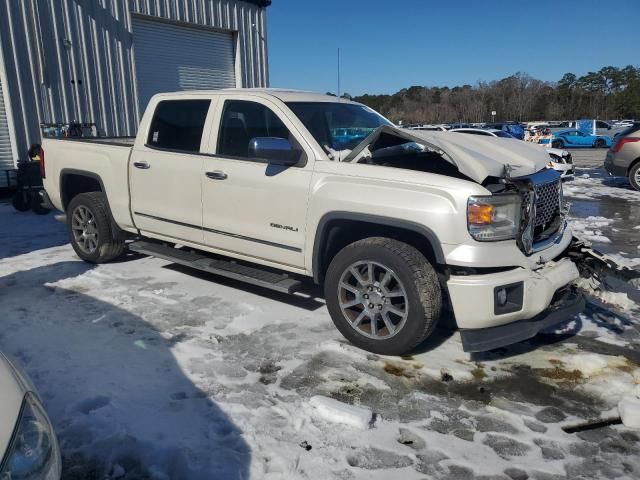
(588, 364)
(337, 412)
(591, 227)
(624, 261)
(619, 299)
(629, 408)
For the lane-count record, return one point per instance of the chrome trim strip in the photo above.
(219, 232)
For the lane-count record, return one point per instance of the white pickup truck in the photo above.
(403, 228)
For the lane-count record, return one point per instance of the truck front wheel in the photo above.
(383, 295)
(90, 228)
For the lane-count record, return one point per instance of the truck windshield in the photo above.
(338, 126)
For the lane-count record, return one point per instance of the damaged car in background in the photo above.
(403, 228)
(28, 445)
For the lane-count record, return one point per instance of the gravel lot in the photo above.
(152, 371)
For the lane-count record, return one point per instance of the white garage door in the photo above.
(6, 157)
(171, 57)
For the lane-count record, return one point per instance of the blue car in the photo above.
(573, 138)
(512, 128)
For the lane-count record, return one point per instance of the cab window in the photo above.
(243, 121)
(178, 125)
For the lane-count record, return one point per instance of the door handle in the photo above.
(143, 165)
(216, 175)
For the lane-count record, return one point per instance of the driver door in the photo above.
(583, 139)
(252, 207)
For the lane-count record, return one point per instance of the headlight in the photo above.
(493, 218)
(33, 452)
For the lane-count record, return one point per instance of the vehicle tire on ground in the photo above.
(634, 176)
(20, 202)
(599, 143)
(37, 207)
(557, 144)
(383, 295)
(91, 232)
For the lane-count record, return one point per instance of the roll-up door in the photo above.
(6, 156)
(174, 57)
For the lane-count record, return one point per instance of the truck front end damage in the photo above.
(516, 275)
(515, 305)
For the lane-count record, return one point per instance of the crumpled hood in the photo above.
(475, 156)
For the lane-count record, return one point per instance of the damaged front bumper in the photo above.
(534, 299)
(566, 303)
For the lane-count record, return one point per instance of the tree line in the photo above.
(610, 93)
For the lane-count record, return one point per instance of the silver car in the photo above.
(28, 446)
(623, 158)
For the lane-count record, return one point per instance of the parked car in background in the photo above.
(28, 445)
(515, 129)
(450, 126)
(487, 132)
(573, 138)
(623, 123)
(429, 128)
(601, 124)
(623, 158)
(561, 160)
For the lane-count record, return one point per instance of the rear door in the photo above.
(165, 170)
(250, 206)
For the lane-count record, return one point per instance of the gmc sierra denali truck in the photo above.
(403, 228)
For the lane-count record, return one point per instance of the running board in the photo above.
(280, 282)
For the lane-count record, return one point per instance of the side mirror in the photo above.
(277, 151)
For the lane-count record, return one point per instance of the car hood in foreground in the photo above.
(477, 157)
(12, 391)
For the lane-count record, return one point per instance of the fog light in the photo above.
(502, 297)
(508, 298)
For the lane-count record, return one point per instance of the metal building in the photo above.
(99, 61)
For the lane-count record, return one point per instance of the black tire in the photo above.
(557, 144)
(414, 272)
(599, 143)
(634, 176)
(20, 202)
(36, 205)
(109, 245)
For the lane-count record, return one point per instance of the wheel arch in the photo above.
(338, 229)
(632, 164)
(74, 182)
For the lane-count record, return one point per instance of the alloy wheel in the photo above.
(85, 230)
(373, 300)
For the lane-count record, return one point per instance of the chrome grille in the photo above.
(547, 202)
(546, 189)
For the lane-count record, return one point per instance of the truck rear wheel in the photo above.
(90, 228)
(383, 295)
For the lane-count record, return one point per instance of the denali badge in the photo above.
(284, 227)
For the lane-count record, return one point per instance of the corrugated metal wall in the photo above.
(73, 59)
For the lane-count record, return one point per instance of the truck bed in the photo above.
(105, 159)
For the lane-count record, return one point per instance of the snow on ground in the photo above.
(151, 371)
(595, 183)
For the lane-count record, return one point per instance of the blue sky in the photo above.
(388, 45)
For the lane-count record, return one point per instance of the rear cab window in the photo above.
(178, 125)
